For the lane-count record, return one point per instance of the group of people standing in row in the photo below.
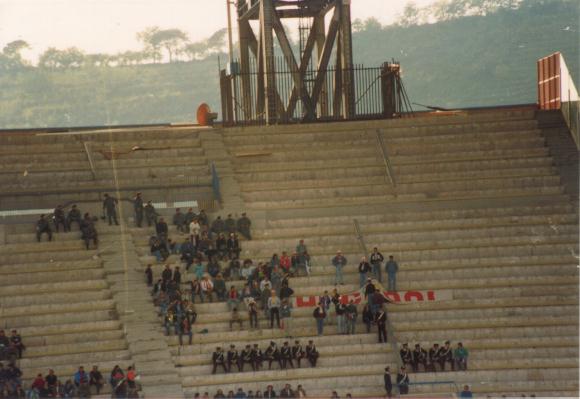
(368, 265)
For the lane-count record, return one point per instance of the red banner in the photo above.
(399, 297)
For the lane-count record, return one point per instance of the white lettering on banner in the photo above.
(398, 297)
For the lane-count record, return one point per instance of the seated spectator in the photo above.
(419, 357)
(39, 385)
(42, 226)
(16, 343)
(219, 285)
(300, 392)
(81, 380)
(269, 392)
(74, 215)
(59, 218)
(187, 251)
(334, 395)
(206, 286)
(213, 267)
(219, 395)
(173, 247)
(243, 226)
(446, 355)
(236, 318)
(221, 246)
(89, 231)
(466, 393)
(195, 290)
(287, 392)
(69, 390)
(285, 262)
(218, 359)
(96, 379)
(461, 354)
(235, 267)
(198, 269)
(406, 355)
(233, 298)
(52, 383)
(158, 249)
(179, 220)
(233, 245)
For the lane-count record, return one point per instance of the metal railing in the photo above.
(90, 159)
(359, 237)
(388, 167)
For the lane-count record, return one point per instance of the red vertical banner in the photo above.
(549, 82)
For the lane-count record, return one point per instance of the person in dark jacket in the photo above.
(388, 382)
(403, 381)
(367, 317)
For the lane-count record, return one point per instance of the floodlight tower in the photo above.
(322, 43)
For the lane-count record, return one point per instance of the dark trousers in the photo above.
(138, 217)
(274, 312)
(403, 389)
(58, 222)
(389, 389)
(253, 320)
(243, 362)
(274, 360)
(237, 363)
(382, 333)
(286, 362)
(443, 361)
(88, 240)
(313, 359)
(215, 365)
(112, 216)
(47, 231)
(417, 363)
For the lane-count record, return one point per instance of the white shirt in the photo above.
(194, 228)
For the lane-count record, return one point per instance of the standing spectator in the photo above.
(325, 300)
(236, 318)
(369, 290)
(203, 219)
(338, 262)
(381, 320)
(286, 315)
(351, 314)
(88, 231)
(363, 268)
(185, 330)
(110, 209)
(253, 313)
(244, 224)
(16, 342)
(96, 379)
(42, 226)
(138, 208)
(367, 317)
(403, 381)
(461, 354)
(392, 268)
(274, 309)
(377, 259)
(319, 315)
(150, 214)
(179, 220)
(388, 382)
(340, 309)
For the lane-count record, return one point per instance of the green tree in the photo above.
(151, 48)
(171, 40)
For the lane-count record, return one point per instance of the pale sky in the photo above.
(109, 26)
